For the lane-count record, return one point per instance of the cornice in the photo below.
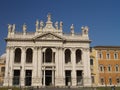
(37, 40)
(107, 47)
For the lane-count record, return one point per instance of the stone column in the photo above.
(6, 78)
(35, 67)
(73, 58)
(22, 67)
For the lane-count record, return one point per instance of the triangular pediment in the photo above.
(48, 36)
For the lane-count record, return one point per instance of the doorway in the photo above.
(48, 77)
(68, 77)
(28, 77)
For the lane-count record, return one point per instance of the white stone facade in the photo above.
(47, 57)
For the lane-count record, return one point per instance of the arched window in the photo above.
(116, 55)
(67, 56)
(78, 56)
(101, 68)
(102, 81)
(100, 55)
(29, 55)
(108, 55)
(109, 68)
(110, 81)
(17, 55)
(116, 68)
(118, 80)
(48, 55)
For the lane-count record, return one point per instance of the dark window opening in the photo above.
(29, 55)
(67, 56)
(17, 55)
(78, 56)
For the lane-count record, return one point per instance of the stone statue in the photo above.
(72, 27)
(49, 17)
(61, 25)
(13, 27)
(56, 25)
(85, 29)
(24, 28)
(9, 27)
(37, 24)
(41, 24)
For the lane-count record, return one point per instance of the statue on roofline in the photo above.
(49, 17)
(41, 24)
(37, 24)
(61, 25)
(56, 25)
(9, 27)
(24, 28)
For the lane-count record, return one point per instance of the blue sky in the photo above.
(101, 16)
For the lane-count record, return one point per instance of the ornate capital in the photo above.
(23, 48)
(86, 49)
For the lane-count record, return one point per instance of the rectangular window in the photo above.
(93, 80)
(79, 77)
(28, 77)
(117, 80)
(16, 77)
(91, 61)
(102, 81)
(68, 77)
(110, 81)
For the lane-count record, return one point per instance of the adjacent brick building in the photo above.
(108, 58)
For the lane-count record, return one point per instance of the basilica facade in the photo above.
(47, 57)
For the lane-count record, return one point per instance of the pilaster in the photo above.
(35, 67)
(87, 72)
(59, 73)
(6, 78)
(73, 58)
(22, 67)
(39, 66)
(11, 65)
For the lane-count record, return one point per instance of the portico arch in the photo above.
(17, 58)
(48, 55)
(29, 55)
(67, 56)
(78, 55)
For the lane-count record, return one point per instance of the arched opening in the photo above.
(48, 55)
(17, 55)
(78, 56)
(117, 68)
(29, 55)
(67, 56)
